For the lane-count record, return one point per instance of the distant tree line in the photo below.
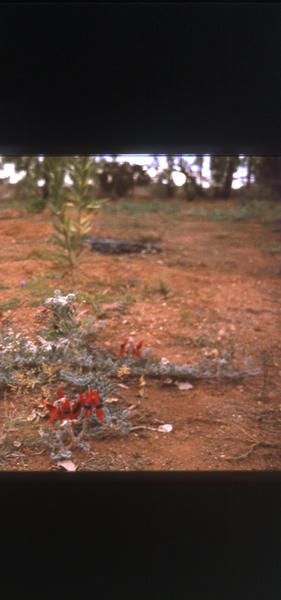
(118, 179)
(109, 178)
(263, 171)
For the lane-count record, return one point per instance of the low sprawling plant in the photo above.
(63, 354)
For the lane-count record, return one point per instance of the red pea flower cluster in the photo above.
(129, 347)
(63, 410)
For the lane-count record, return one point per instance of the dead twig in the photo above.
(251, 449)
(143, 427)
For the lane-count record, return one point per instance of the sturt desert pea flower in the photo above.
(56, 408)
(92, 400)
(137, 350)
(77, 407)
(70, 411)
(53, 410)
(123, 347)
(128, 345)
(62, 409)
(99, 411)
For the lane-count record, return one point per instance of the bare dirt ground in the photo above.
(214, 287)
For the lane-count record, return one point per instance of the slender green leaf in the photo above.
(59, 241)
(53, 208)
(57, 227)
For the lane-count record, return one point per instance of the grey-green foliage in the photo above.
(62, 321)
(64, 340)
(218, 368)
(15, 352)
(56, 440)
(115, 419)
(100, 382)
(6, 377)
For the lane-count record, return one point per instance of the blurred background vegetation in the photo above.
(47, 180)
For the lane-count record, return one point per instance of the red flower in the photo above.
(128, 345)
(63, 410)
(53, 411)
(59, 410)
(99, 413)
(90, 401)
(123, 347)
(98, 406)
(73, 411)
(77, 407)
(88, 404)
(137, 351)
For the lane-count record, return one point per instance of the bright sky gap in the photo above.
(146, 161)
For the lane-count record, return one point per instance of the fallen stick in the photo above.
(143, 427)
(251, 449)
